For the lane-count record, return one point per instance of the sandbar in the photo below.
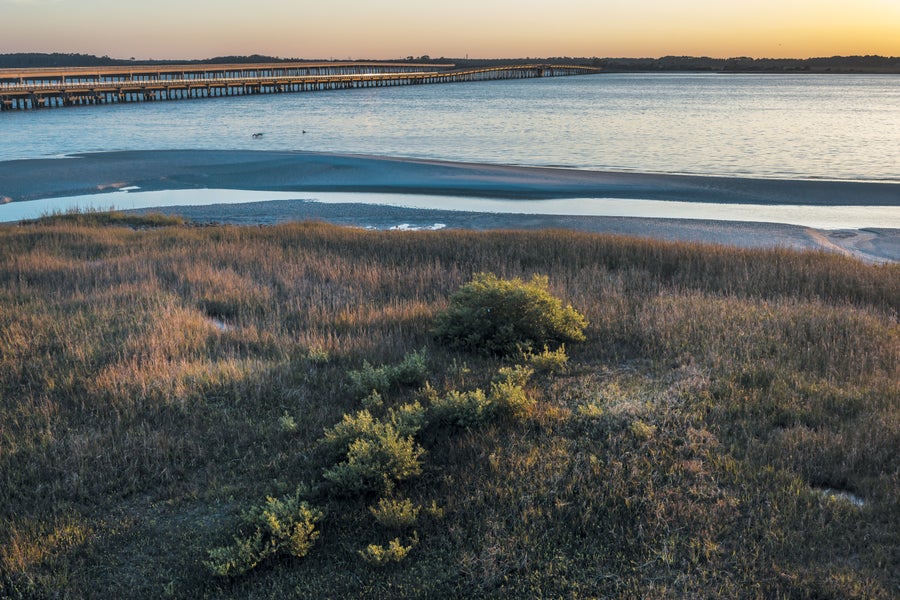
(96, 173)
(306, 171)
(868, 245)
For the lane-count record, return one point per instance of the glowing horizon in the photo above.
(170, 29)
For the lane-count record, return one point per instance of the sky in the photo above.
(385, 29)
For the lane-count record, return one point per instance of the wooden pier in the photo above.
(48, 88)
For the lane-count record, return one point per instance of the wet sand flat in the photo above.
(304, 171)
(96, 173)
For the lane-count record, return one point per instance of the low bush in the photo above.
(464, 409)
(412, 369)
(404, 420)
(373, 401)
(407, 419)
(318, 355)
(375, 452)
(515, 375)
(392, 553)
(510, 399)
(548, 361)
(642, 430)
(287, 423)
(461, 409)
(394, 513)
(409, 371)
(498, 316)
(337, 439)
(284, 525)
(368, 379)
(373, 463)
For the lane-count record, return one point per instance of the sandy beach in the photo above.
(97, 173)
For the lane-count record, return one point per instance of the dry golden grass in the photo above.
(144, 372)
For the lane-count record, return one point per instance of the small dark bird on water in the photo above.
(257, 135)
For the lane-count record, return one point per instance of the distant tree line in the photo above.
(40, 60)
(833, 64)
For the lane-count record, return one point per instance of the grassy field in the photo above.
(729, 428)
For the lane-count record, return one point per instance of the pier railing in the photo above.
(46, 88)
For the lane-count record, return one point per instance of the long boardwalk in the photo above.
(46, 88)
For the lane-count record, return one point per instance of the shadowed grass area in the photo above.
(156, 383)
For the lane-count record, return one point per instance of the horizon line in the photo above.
(428, 57)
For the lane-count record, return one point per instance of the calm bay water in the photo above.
(786, 126)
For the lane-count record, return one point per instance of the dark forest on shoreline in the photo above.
(833, 64)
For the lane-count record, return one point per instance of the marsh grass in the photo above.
(103, 217)
(680, 452)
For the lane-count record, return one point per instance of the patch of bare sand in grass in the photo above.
(869, 245)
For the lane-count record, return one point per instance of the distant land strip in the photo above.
(832, 64)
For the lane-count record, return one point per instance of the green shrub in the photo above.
(407, 419)
(404, 420)
(461, 409)
(318, 355)
(434, 511)
(497, 316)
(373, 400)
(409, 371)
(287, 423)
(284, 525)
(370, 379)
(510, 399)
(337, 439)
(412, 369)
(373, 462)
(382, 555)
(549, 361)
(517, 375)
(591, 410)
(642, 430)
(243, 555)
(464, 409)
(395, 514)
(375, 452)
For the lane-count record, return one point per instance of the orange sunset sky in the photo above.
(343, 29)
